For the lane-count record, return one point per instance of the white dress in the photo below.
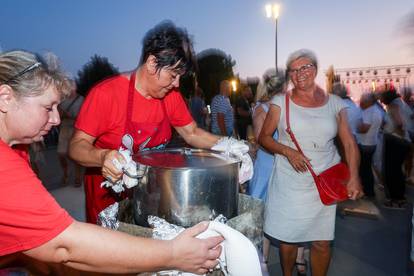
(293, 211)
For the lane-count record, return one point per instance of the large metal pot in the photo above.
(186, 186)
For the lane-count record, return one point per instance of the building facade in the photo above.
(375, 79)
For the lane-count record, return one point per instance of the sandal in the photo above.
(393, 204)
(301, 268)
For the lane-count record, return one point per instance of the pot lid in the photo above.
(183, 158)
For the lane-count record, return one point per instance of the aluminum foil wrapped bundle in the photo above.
(220, 218)
(163, 230)
(108, 217)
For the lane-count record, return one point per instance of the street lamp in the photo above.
(233, 85)
(272, 11)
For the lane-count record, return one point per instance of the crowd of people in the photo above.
(381, 123)
(382, 126)
(137, 110)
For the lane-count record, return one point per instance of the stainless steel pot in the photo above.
(186, 186)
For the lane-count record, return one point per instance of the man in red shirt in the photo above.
(135, 110)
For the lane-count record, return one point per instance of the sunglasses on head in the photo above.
(24, 71)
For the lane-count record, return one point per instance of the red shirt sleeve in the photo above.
(94, 116)
(177, 110)
(29, 215)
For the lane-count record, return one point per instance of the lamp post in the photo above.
(233, 83)
(272, 11)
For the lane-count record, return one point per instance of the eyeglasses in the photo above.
(305, 68)
(24, 71)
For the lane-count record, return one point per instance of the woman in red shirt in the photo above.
(135, 110)
(33, 224)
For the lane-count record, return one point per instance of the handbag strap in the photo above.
(292, 136)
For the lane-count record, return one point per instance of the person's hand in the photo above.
(195, 255)
(297, 160)
(109, 171)
(231, 145)
(354, 188)
(240, 149)
(253, 148)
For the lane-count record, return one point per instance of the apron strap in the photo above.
(130, 104)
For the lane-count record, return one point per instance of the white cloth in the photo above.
(240, 149)
(241, 258)
(293, 210)
(130, 167)
(238, 255)
(373, 117)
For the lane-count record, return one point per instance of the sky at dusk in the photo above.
(348, 33)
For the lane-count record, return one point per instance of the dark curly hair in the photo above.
(388, 96)
(171, 46)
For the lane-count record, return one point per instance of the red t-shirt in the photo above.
(29, 215)
(103, 113)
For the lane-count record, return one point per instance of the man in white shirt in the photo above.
(367, 138)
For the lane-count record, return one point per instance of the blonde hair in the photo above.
(271, 84)
(29, 75)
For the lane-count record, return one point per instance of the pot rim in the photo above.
(231, 159)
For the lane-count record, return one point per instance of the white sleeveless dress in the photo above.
(293, 211)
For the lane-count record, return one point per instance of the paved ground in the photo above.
(369, 247)
(362, 247)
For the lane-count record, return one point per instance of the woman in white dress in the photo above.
(294, 213)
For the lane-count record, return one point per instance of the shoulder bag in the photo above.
(331, 183)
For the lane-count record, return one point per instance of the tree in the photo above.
(96, 70)
(214, 66)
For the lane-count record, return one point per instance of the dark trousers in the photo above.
(242, 130)
(365, 169)
(394, 153)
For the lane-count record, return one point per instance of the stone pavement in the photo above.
(362, 246)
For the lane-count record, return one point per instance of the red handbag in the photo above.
(331, 183)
